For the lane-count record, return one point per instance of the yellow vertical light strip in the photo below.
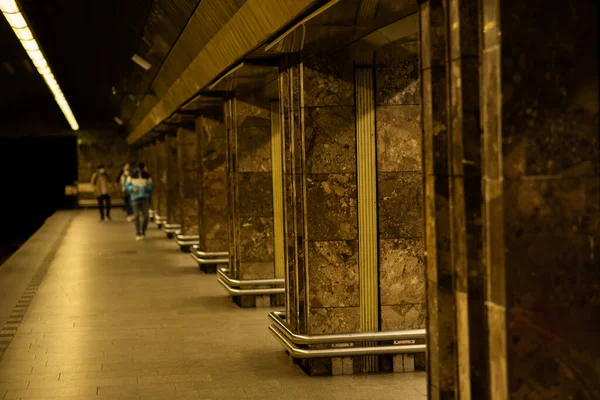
(367, 204)
(277, 175)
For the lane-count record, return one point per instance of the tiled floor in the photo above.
(120, 319)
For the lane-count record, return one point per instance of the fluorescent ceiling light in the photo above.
(118, 121)
(35, 55)
(8, 6)
(30, 45)
(141, 62)
(15, 19)
(40, 64)
(24, 34)
(44, 71)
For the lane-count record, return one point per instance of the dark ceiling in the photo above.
(89, 45)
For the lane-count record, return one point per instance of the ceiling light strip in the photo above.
(17, 22)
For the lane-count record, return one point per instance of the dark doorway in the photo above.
(34, 172)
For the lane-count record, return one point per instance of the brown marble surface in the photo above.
(256, 239)
(334, 320)
(333, 274)
(161, 178)
(397, 73)
(252, 110)
(331, 207)
(187, 158)
(189, 219)
(173, 182)
(403, 316)
(400, 199)
(212, 187)
(328, 80)
(254, 149)
(400, 185)
(97, 147)
(399, 138)
(330, 142)
(249, 183)
(401, 271)
(149, 158)
(255, 193)
(551, 198)
(257, 270)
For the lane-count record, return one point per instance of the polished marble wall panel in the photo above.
(401, 268)
(161, 177)
(323, 320)
(551, 195)
(173, 183)
(150, 155)
(251, 187)
(187, 158)
(400, 186)
(212, 188)
(330, 142)
(512, 123)
(331, 207)
(328, 160)
(333, 274)
(328, 80)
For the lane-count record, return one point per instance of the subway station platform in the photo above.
(89, 313)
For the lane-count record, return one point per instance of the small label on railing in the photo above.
(405, 341)
(342, 345)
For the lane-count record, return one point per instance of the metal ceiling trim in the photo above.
(229, 73)
(319, 11)
(254, 23)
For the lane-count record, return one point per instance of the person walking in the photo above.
(127, 202)
(101, 183)
(139, 185)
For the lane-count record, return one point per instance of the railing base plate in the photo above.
(208, 268)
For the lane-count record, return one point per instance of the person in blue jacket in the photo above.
(139, 185)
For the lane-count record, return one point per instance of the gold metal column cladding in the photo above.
(367, 204)
(277, 174)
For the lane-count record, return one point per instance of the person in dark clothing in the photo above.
(101, 183)
(139, 185)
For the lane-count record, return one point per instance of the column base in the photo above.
(337, 366)
(352, 352)
(259, 301)
(208, 268)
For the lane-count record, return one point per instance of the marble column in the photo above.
(212, 198)
(250, 192)
(161, 178)
(172, 184)
(334, 152)
(400, 187)
(150, 159)
(187, 160)
(512, 198)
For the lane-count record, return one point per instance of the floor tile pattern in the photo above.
(118, 319)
